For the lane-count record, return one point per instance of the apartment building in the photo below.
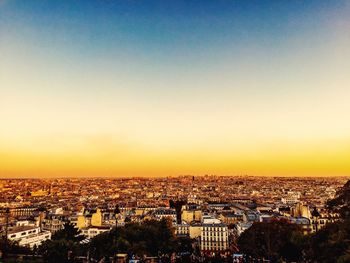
(214, 237)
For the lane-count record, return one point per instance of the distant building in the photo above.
(19, 211)
(291, 198)
(39, 193)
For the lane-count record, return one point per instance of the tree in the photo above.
(150, 237)
(341, 202)
(12, 247)
(178, 206)
(69, 233)
(58, 251)
(63, 246)
(330, 244)
(272, 240)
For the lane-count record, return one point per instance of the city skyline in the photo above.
(109, 88)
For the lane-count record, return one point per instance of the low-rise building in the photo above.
(165, 213)
(53, 223)
(91, 232)
(28, 235)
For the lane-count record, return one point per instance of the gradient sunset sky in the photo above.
(158, 88)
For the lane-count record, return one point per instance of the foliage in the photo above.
(273, 240)
(341, 203)
(278, 240)
(330, 244)
(63, 246)
(69, 233)
(148, 238)
(58, 251)
(12, 247)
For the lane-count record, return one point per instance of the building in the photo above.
(291, 198)
(19, 211)
(214, 238)
(195, 230)
(182, 229)
(53, 223)
(301, 210)
(210, 219)
(28, 235)
(192, 230)
(91, 232)
(241, 227)
(319, 219)
(96, 218)
(165, 213)
(189, 214)
(229, 217)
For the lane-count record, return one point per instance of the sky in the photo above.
(165, 88)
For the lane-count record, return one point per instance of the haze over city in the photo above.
(129, 88)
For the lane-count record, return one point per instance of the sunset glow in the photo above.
(124, 89)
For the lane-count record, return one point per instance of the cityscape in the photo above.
(209, 212)
(174, 131)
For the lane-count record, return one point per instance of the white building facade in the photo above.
(29, 236)
(214, 237)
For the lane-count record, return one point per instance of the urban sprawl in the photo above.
(213, 211)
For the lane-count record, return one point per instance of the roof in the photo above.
(214, 225)
(21, 229)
